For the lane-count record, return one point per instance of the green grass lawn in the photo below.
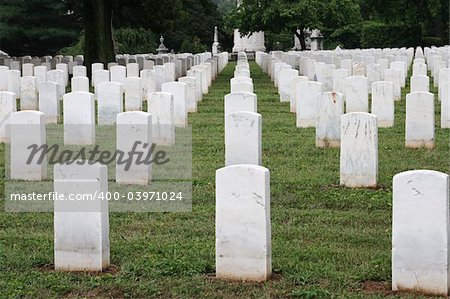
(328, 241)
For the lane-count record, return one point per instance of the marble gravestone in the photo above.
(420, 120)
(134, 127)
(81, 228)
(307, 98)
(79, 118)
(27, 128)
(243, 138)
(383, 103)
(330, 107)
(161, 108)
(243, 227)
(359, 150)
(420, 232)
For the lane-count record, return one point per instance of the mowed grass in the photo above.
(328, 241)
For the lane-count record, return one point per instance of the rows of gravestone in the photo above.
(243, 229)
(324, 88)
(77, 246)
(170, 106)
(330, 91)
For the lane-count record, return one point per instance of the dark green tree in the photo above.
(293, 15)
(36, 27)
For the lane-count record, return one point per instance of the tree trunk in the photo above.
(301, 38)
(98, 40)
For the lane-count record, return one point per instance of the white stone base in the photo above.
(250, 43)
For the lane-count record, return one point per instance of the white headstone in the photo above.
(79, 118)
(339, 77)
(419, 69)
(190, 92)
(307, 97)
(148, 83)
(178, 90)
(383, 103)
(132, 70)
(284, 80)
(49, 101)
(293, 91)
(359, 150)
(94, 68)
(13, 82)
(81, 226)
(170, 72)
(160, 76)
(118, 74)
(80, 84)
(57, 76)
(243, 228)
(3, 78)
(420, 232)
(161, 108)
(243, 135)
(65, 70)
(330, 107)
(27, 69)
(40, 72)
(133, 93)
(240, 101)
(134, 132)
(28, 93)
(7, 106)
(110, 102)
(79, 71)
(420, 120)
(393, 76)
(400, 65)
(356, 96)
(27, 130)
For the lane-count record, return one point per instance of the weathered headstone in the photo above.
(383, 103)
(307, 98)
(420, 120)
(178, 90)
(420, 232)
(79, 84)
(330, 107)
(133, 93)
(134, 131)
(190, 93)
(356, 96)
(161, 108)
(359, 150)
(243, 138)
(79, 118)
(81, 226)
(7, 106)
(110, 102)
(27, 129)
(243, 228)
(28, 93)
(49, 101)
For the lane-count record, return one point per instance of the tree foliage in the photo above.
(36, 27)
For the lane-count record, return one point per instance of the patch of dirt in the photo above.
(384, 288)
(111, 270)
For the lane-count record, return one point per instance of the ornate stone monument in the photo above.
(161, 48)
(316, 40)
(215, 45)
(249, 43)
